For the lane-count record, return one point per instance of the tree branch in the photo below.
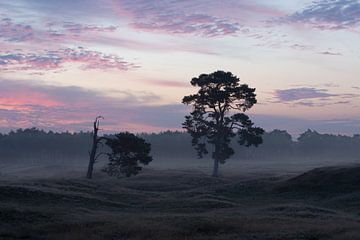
(99, 154)
(101, 138)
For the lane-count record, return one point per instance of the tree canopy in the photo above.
(127, 152)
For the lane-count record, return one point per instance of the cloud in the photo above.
(55, 34)
(146, 15)
(15, 32)
(301, 47)
(199, 24)
(80, 28)
(322, 103)
(328, 14)
(83, 10)
(33, 104)
(198, 17)
(312, 97)
(294, 94)
(55, 59)
(331, 85)
(60, 32)
(330, 53)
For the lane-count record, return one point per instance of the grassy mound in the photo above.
(332, 180)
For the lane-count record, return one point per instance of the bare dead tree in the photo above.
(95, 142)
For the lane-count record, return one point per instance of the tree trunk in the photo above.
(91, 160)
(93, 149)
(216, 158)
(216, 168)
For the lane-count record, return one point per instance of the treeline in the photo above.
(38, 146)
(278, 144)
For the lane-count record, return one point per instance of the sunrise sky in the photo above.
(64, 62)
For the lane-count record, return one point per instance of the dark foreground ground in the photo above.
(320, 204)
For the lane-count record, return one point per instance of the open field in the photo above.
(178, 204)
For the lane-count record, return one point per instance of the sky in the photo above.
(62, 63)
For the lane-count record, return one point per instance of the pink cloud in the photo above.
(79, 28)
(51, 60)
(15, 32)
(199, 17)
(294, 94)
(30, 104)
(50, 32)
(203, 25)
(311, 97)
(23, 99)
(328, 15)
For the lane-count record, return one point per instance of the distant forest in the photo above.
(38, 146)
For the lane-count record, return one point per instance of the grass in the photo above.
(182, 205)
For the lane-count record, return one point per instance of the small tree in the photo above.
(214, 119)
(127, 151)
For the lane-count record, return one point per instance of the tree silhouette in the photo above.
(127, 151)
(95, 142)
(212, 119)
